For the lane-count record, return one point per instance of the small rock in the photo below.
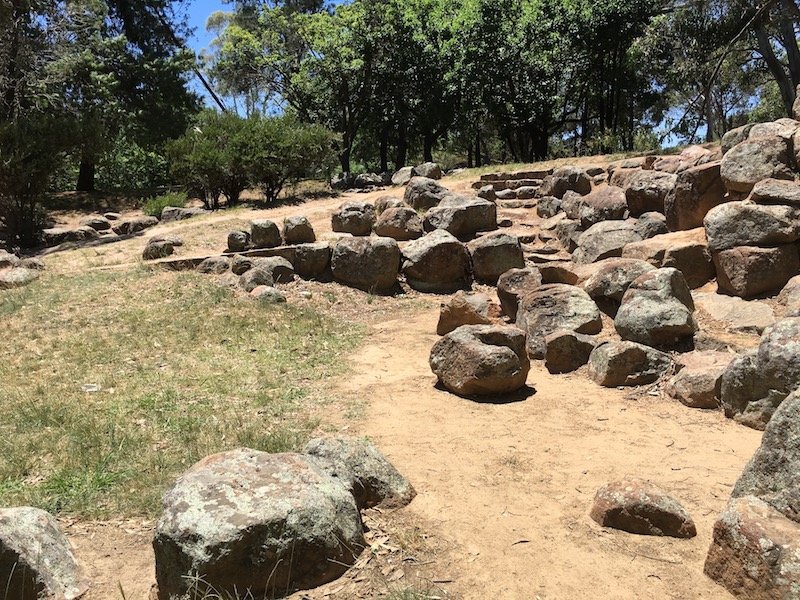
(97, 223)
(298, 230)
(699, 379)
(463, 309)
(215, 265)
(567, 351)
(356, 218)
(264, 234)
(615, 364)
(268, 295)
(639, 507)
(156, 249)
(493, 255)
(238, 241)
(17, 277)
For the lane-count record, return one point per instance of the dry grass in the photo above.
(185, 368)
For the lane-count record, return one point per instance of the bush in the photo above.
(223, 154)
(129, 166)
(154, 206)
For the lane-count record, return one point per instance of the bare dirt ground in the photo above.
(504, 490)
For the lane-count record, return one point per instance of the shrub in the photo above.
(154, 206)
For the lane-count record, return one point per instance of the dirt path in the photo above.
(509, 486)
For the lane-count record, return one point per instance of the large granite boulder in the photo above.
(249, 523)
(748, 224)
(367, 263)
(698, 382)
(462, 216)
(437, 262)
(464, 308)
(402, 176)
(564, 179)
(312, 260)
(431, 170)
(758, 381)
(607, 203)
(134, 225)
(755, 159)
(356, 218)
(749, 271)
(605, 240)
(400, 223)
(697, 190)
(423, 193)
(554, 307)
(515, 283)
(615, 364)
(611, 278)
(686, 251)
(776, 191)
(493, 255)
(646, 191)
(298, 230)
(481, 360)
(36, 559)
(567, 351)
(657, 310)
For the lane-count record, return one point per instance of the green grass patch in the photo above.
(185, 369)
(154, 206)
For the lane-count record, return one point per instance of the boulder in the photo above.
(402, 176)
(790, 294)
(369, 264)
(386, 202)
(506, 194)
(481, 360)
(526, 192)
(156, 249)
(493, 255)
(735, 314)
(241, 264)
(134, 225)
(568, 233)
(371, 478)
(607, 203)
(266, 272)
(748, 271)
(755, 383)
(96, 222)
(548, 206)
(356, 218)
(699, 379)
(437, 262)
(640, 507)
(464, 309)
(515, 283)
(342, 182)
(431, 170)
(651, 224)
(646, 191)
(611, 278)
(246, 523)
(567, 351)
(754, 160)
(268, 295)
(551, 307)
(796, 105)
(461, 216)
(112, 216)
(36, 559)
(734, 137)
(312, 260)
(605, 240)
(686, 251)
(423, 193)
(215, 265)
(697, 190)
(748, 224)
(402, 224)
(657, 310)
(18, 277)
(783, 128)
(238, 241)
(367, 180)
(563, 179)
(178, 213)
(8, 260)
(755, 553)
(487, 193)
(616, 364)
(57, 236)
(776, 191)
(298, 230)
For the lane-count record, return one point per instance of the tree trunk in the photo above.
(86, 175)
(541, 142)
(478, 155)
(344, 159)
(384, 149)
(427, 149)
(776, 68)
(709, 114)
(402, 148)
(469, 155)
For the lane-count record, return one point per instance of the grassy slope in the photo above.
(186, 369)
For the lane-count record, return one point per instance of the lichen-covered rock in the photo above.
(699, 379)
(8, 260)
(461, 216)
(657, 310)
(356, 218)
(178, 213)
(564, 179)
(612, 277)
(298, 230)
(97, 223)
(776, 191)
(265, 234)
(134, 225)
(268, 295)
(423, 193)
(464, 309)
(238, 241)
(371, 478)
(749, 271)
(757, 382)
(402, 176)
(431, 170)
(401, 223)
(651, 224)
(755, 159)
(248, 523)
(36, 560)
(515, 283)
(567, 351)
(312, 260)
(640, 507)
(616, 364)
(686, 251)
(18, 277)
(646, 191)
(437, 262)
(386, 202)
(156, 249)
(556, 306)
(215, 265)
(266, 272)
(607, 203)
(493, 255)
(605, 240)
(369, 264)
(548, 206)
(481, 360)
(748, 224)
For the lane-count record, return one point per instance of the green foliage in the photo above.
(224, 154)
(127, 165)
(154, 206)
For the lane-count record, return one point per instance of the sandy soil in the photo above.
(504, 490)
